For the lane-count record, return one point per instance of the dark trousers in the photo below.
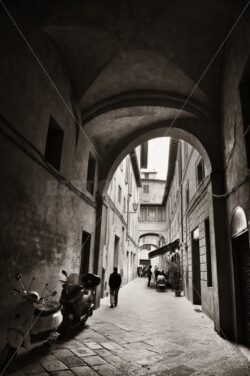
(114, 296)
(149, 279)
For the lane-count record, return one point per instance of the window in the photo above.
(200, 172)
(176, 194)
(124, 204)
(185, 152)
(54, 144)
(146, 175)
(91, 174)
(85, 252)
(179, 163)
(126, 171)
(119, 194)
(152, 214)
(145, 188)
(161, 214)
(208, 251)
(187, 194)
(245, 107)
(143, 214)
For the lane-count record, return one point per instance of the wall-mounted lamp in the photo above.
(135, 207)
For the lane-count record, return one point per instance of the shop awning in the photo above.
(171, 247)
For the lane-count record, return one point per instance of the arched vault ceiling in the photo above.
(141, 70)
(112, 46)
(111, 71)
(109, 129)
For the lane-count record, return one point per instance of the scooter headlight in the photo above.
(34, 296)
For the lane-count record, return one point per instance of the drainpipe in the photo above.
(181, 191)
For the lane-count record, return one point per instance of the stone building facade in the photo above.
(190, 223)
(152, 220)
(121, 243)
(48, 205)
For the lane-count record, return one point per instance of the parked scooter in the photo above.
(34, 321)
(77, 300)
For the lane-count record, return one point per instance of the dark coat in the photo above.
(115, 280)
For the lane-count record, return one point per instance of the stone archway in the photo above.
(184, 129)
(241, 280)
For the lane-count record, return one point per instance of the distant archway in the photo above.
(149, 234)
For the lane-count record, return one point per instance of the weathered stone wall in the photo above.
(235, 161)
(43, 212)
(183, 218)
(121, 225)
(200, 210)
(236, 60)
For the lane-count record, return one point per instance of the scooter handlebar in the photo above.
(15, 291)
(23, 293)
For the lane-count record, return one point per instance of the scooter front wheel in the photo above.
(7, 356)
(65, 328)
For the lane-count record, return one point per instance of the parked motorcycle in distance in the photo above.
(77, 300)
(33, 321)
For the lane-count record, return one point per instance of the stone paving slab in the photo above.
(94, 360)
(103, 352)
(61, 353)
(106, 370)
(54, 365)
(33, 368)
(83, 351)
(147, 334)
(115, 361)
(84, 371)
(93, 345)
(62, 373)
(72, 361)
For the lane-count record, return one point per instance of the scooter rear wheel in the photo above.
(7, 356)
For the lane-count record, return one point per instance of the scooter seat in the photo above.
(47, 310)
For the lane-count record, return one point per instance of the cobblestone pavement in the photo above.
(149, 333)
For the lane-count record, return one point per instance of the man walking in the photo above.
(115, 281)
(149, 274)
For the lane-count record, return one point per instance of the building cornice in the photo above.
(135, 166)
(153, 180)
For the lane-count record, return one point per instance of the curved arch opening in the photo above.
(153, 134)
(179, 210)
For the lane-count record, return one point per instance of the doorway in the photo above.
(196, 278)
(116, 251)
(85, 252)
(103, 283)
(241, 255)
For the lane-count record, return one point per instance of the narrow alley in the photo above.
(149, 333)
(124, 154)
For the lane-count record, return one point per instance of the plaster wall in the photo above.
(183, 217)
(156, 191)
(121, 225)
(236, 64)
(43, 211)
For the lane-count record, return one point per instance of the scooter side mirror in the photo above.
(18, 276)
(64, 273)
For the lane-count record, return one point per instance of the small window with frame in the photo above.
(54, 144)
(200, 174)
